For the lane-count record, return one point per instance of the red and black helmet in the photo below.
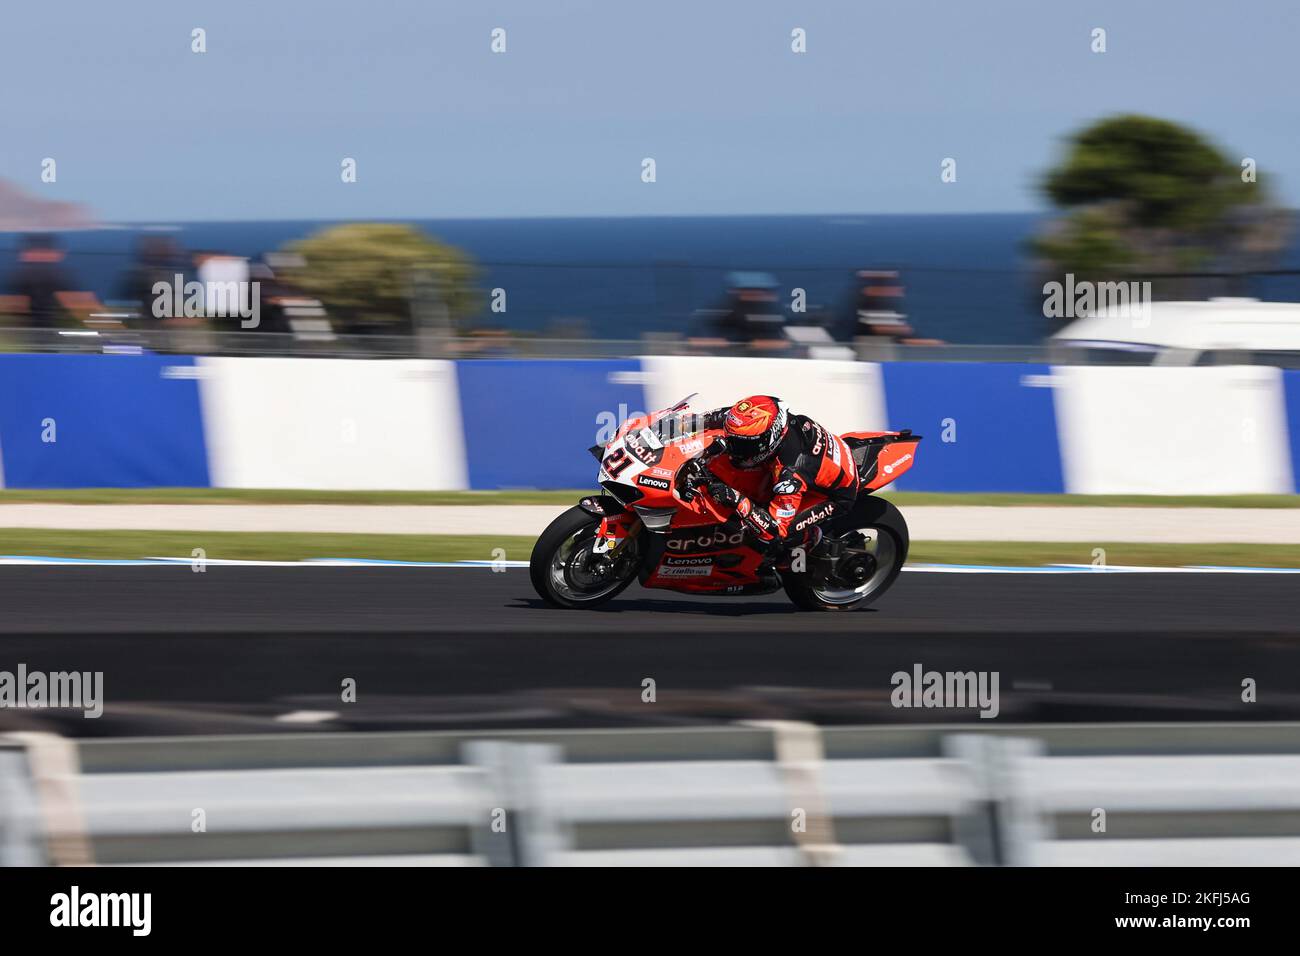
(754, 427)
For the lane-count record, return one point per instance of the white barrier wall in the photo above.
(1169, 431)
(332, 423)
(843, 396)
(146, 421)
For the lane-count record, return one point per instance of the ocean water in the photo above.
(966, 276)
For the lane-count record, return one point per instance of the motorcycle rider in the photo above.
(784, 474)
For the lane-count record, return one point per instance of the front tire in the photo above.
(566, 572)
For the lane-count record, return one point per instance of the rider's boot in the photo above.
(808, 545)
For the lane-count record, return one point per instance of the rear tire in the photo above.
(553, 571)
(891, 546)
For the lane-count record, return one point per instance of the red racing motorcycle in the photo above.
(640, 529)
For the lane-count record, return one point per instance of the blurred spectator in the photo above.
(220, 272)
(286, 309)
(42, 292)
(750, 314)
(878, 310)
(157, 259)
(274, 294)
(879, 305)
(39, 278)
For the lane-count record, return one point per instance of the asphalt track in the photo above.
(235, 648)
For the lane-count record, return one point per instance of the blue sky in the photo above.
(143, 129)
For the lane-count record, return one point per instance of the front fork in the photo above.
(614, 532)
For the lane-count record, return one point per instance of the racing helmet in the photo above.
(754, 428)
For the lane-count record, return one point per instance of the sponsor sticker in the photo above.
(687, 571)
(642, 452)
(706, 542)
(889, 469)
(817, 514)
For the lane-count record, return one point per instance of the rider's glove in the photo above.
(691, 476)
(721, 492)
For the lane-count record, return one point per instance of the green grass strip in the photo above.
(530, 497)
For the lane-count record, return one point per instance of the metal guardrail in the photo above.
(380, 346)
(770, 794)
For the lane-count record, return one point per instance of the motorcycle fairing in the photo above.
(709, 557)
(702, 550)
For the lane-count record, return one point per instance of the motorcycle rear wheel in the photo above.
(567, 573)
(875, 528)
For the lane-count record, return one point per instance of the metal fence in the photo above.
(379, 346)
(756, 794)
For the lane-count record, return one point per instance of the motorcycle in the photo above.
(641, 530)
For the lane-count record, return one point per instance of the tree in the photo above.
(365, 273)
(1145, 196)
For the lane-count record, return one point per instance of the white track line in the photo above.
(18, 559)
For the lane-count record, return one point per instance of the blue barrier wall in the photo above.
(1003, 422)
(136, 421)
(528, 424)
(117, 421)
(1291, 396)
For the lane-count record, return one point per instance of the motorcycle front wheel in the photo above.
(567, 572)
